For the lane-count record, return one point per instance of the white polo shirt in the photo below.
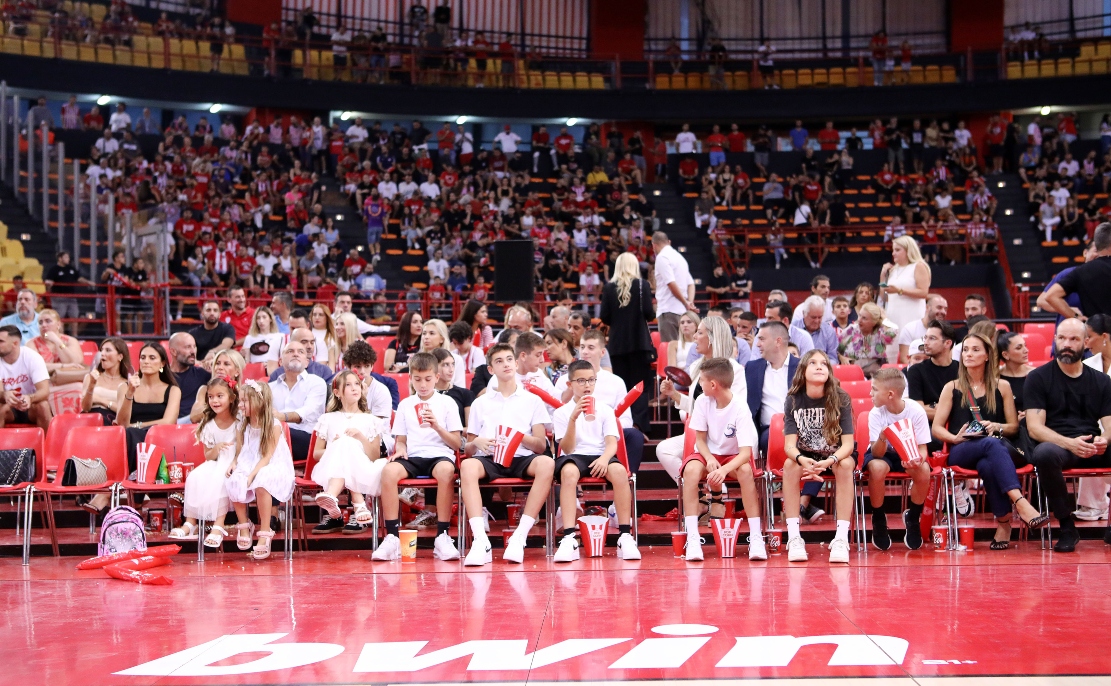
(521, 410)
(424, 441)
(537, 378)
(610, 390)
(590, 436)
(671, 266)
(776, 383)
(727, 429)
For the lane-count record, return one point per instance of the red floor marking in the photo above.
(336, 618)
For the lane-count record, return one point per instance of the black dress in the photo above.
(143, 412)
(630, 343)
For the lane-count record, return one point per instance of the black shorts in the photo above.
(421, 467)
(890, 457)
(583, 462)
(20, 417)
(996, 150)
(766, 69)
(518, 469)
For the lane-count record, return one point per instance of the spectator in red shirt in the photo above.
(884, 183)
(716, 143)
(737, 139)
(565, 149)
(996, 135)
(688, 174)
(93, 121)
(542, 144)
(879, 56)
(829, 138)
(239, 316)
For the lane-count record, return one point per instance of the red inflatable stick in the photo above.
(105, 560)
(630, 398)
(137, 576)
(544, 395)
(139, 563)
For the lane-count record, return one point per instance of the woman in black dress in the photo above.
(626, 310)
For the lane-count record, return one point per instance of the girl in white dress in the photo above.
(349, 449)
(206, 496)
(263, 467)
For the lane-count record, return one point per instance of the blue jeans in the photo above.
(717, 157)
(810, 488)
(988, 457)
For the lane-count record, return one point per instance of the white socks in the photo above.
(525, 526)
(692, 525)
(792, 527)
(843, 530)
(478, 527)
(754, 525)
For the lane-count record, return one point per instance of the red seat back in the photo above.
(862, 405)
(655, 338)
(90, 349)
(60, 427)
(893, 366)
(26, 437)
(402, 380)
(1037, 344)
(1047, 329)
(133, 349)
(379, 343)
(661, 359)
(861, 436)
(848, 372)
(109, 443)
(256, 371)
(310, 463)
(776, 453)
(857, 389)
(178, 442)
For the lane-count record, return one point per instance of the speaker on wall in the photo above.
(513, 271)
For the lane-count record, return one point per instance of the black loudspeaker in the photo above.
(513, 271)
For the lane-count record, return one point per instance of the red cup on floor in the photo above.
(506, 534)
(177, 473)
(725, 535)
(513, 514)
(939, 534)
(775, 541)
(966, 535)
(419, 408)
(730, 508)
(588, 407)
(679, 543)
(593, 531)
(156, 520)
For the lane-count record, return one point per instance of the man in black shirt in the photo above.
(60, 282)
(719, 283)
(1068, 414)
(212, 335)
(190, 377)
(926, 379)
(1089, 281)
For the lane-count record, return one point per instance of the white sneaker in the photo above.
(694, 549)
(389, 550)
(627, 548)
(481, 553)
(444, 548)
(568, 550)
(756, 548)
(515, 550)
(839, 551)
(796, 550)
(966, 506)
(1090, 514)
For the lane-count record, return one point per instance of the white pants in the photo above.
(670, 454)
(1092, 492)
(709, 218)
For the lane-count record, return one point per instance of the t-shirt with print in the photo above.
(590, 436)
(424, 441)
(27, 370)
(728, 429)
(879, 418)
(805, 417)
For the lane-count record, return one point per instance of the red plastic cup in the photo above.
(939, 533)
(730, 508)
(966, 534)
(419, 408)
(506, 534)
(725, 536)
(156, 520)
(679, 543)
(177, 472)
(513, 514)
(593, 531)
(186, 469)
(588, 408)
(775, 541)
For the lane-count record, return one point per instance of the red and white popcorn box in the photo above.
(592, 528)
(725, 536)
(506, 443)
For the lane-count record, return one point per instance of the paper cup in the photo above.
(419, 408)
(186, 469)
(725, 536)
(408, 545)
(506, 442)
(939, 534)
(593, 531)
(588, 408)
(513, 514)
(966, 534)
(176, 471)
(775, 541)
(156, 517)
(679, 543)
(506, 534)
(730, 508)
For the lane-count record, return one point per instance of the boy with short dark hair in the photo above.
(360, 358)
(445, 382)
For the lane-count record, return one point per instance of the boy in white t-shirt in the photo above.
(589, 448)
(425, 446)
(725, 442)
(468, 357)
(529, 351)
(507, 404)
(26, 382)
(881, 459)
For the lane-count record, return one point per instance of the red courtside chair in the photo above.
(758, 474)
(54, 456)
(1046, 533)
(18, 439)
(858, 389)
(179, 444)
(304, 485)
(590, 481)
(848, 372)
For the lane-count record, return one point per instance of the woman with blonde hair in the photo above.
(679, 349)
(866, 341)
(263, 342)
(433, 335)
(226, 364)
(347, 332)
(906, 282)
(324, 330)
(62, 354)
(626, 309)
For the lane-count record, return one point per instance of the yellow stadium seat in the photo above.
(1099, 65)
(1014, 70)
(1030, 70)
(327, 65)
(788, 79)
(176, 60)
(86, 52)
(1087, 49)
(697, 81)
(836, 76)
(551, 79)
(238, 60)
(32, 47)
(49, 48)
(678, 82)
(105, 54)
(68, 6)
(582, 80)
(13, 249)
(156, 53)
(1047, 68)
(805, 78)
(566, 80)
(740, 81)
(867, 77)
(535, 79)
(69, 50)
(597, 82)
(13, 45)
(852, 77)
(917, 74)
(1082, 66)
(97, 13)
(1103, 49)
(821, 78)
(191, 56)
(123, 56)
(933, 74)
(1064, 66)
(948, 74)
(663, 82)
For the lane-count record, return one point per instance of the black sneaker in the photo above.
(328, 525)
(811, 513)
(913, 538)
(880, 536)
(353, 527)
(1066, 541)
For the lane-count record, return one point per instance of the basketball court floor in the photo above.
(1021, 616)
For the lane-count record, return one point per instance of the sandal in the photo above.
(1000, 545)
(262, 550)
(717, 506)
(362, 514)
(1037, 522)
(184, 532)
(244, 541)
(215, 537)
(329, 503)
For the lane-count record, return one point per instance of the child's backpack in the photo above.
(122, 531)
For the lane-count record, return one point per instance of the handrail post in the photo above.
(651, 73)
(77, 222)
(30, 165)
(44, 176)
(3, 130)
(15, 146)
(60, 186)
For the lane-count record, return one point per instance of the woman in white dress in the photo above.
(908, 282)
(350, 450)
(263, 467)
(206, 497)
(263, 341)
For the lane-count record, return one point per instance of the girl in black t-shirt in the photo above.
(818, 442)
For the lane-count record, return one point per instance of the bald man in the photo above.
(190, 377)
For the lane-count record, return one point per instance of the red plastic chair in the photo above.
(177, 443)
(655, 338)
(848, 372)
(1048, 330)
(89, 349)
(857, 389)
(862, 405)
(302, 486)
(1037, 344)
(379, 343)
(18, 439)
(758, 474)
(133, 349)
(256, 371)
(402, 380)
(60, 427)
(590, 481)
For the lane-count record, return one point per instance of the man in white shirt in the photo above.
(1034, 133)
(1068, 167)
(672, 293)
(298, 397)
(438, 266)
(937, 307)
(685, 142)
(429, 189)
(465, 143)
(344, 304)
(26, 382)
(962, 135)
(107, 145)
(1060, 196)
(356, 134)
(120, 119)
(387, 188)
(505, 439)
(507, 140)
(266, 259)
(407, 187)
(341, 40)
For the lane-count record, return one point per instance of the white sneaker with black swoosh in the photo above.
(481, 553)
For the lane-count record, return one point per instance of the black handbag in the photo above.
(1018, 456)
(17, 466)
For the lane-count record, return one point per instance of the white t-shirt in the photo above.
(671, 267)
(802, 215)
(727, 429)
(609, 390)
(438, 268)
(521, 410)
(267, 263)
(378, 399)
(340, 41)
(119, 121)
(879, 419)
(910, 332)
(1034, 133)
(430, 190)
(1060, 197)
(508, 141)
(424, 441)
(962, 136)
(28, 370)
(407, 189)
(685, 142)
(275, 340)
(356, 133)
(590, 437)
(468, 363)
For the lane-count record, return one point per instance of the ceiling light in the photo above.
(339, 217)
(670, 220)
(345, 116)
(103, 100)
(215, 109)
(1044, 111)
(462, 119)
(1026, 275)
(571, 121)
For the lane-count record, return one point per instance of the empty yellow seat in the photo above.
(663, 82)
(836, 76)
(917, 74)
(1087, 49)
(13, 44)
(697, 81)
(86, 52)
(740, 81)
(238, 60)
(821, 78)
(1014, 70)
(176, 60)
(123, 56)
(1103, 49)
(105, 54)
(582, 80)
(13, 249)
(1082, 66)
(804, 78)
(97, 13)
(597, 82)
(1064, 66)
(788, 79)
(852, 77)
(191, 57)
(535, 79)
(1030, 69)
(678, 81)
(948, 74)
(566, 80)
(32, 47)
(1099, 65)
(1047, 68)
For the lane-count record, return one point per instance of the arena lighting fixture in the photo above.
(670, 220)
(1026, 275)
(462, 119)
(339, 217)
(571, 121)
(656, 192)
(1002, 184)
(215, 109)
(345, 116)
(1044, 111)
(103, 100)
(1008, 212)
